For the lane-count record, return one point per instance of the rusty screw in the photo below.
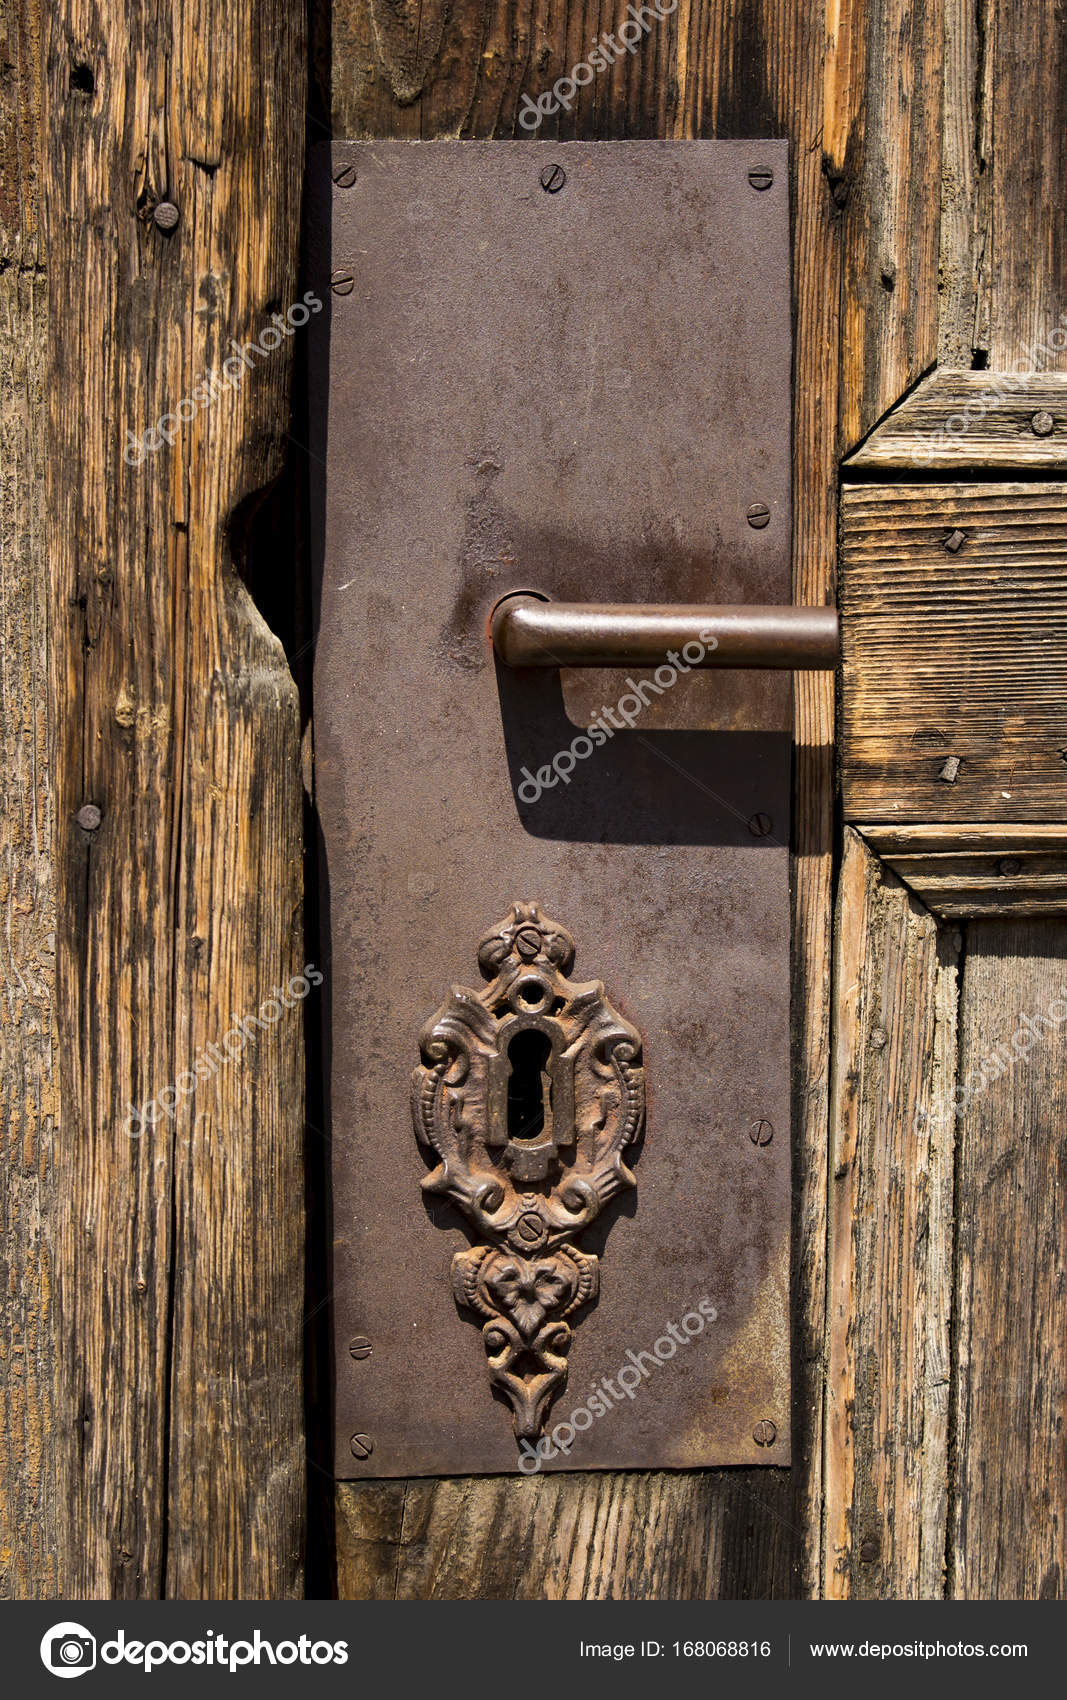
(761, 177)
(761, 1132)
(345, 177)
(765, 1433)
(760, 826)
(758, 515)
(553, 178)
(359, 1346)
(1042, 424)
(88, 817)
(362, 1445)
(165, 215)
(342, 283)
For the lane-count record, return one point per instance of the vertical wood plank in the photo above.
(28, 1498)
(890, 1239)
(179, 1255)
(1009, 1525)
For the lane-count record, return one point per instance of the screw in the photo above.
(528, 940)
(89, 817)
(359, 1346)
(761, 177)
(955, 541)
(553, 178)
(879, 1038)
(345, 177)
(342, 283)
(530, 1227)
(871, 1550)
(1009, 865)
(760, 826)
(1042, 424)
(165, 215)
(758, 515)
(764, 1433)
(362, 1445)
(761, 1132)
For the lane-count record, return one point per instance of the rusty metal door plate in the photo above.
(563, 1243)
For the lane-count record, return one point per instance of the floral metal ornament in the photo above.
(529, 1093)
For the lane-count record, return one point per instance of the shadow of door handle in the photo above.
(530, 632)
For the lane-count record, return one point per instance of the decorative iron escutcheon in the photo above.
(529, 1093)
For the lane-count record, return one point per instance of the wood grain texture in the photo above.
(1009, 1525)
(954, 657)
(570, 1537)
(891, 1240)
(179, 1251)
(1009, 870)
(955, 421)
(29, 1511)
(863, 117)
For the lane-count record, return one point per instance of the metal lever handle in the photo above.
(528, 632)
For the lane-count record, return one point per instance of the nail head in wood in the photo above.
(950, 770)
(1042, 424)
(955, 541)
(166, 215)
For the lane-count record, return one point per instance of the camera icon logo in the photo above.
(68, 1649)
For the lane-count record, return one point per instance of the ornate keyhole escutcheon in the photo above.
(527, 1097)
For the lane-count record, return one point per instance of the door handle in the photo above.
(529, 631)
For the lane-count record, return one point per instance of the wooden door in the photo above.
(164, 1420)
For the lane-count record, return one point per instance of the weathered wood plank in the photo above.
(28, 1497)
(179, 1252)
(974, 420)
(890, 1297)
(954, 659)
(1009, 1534)
(570, 1537)
(1009, 870)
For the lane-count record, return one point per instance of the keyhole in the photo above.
(529, 1085)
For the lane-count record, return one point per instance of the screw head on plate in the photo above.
(758, 515)
(345, 177)
(761, 177)
(553, 178)
(359, 1346)
(760, 826)
(761, 1132)
(362, 1445)
(342, 283)
(165, 215)
(765, 1433)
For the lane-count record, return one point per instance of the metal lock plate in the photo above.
(582, 391)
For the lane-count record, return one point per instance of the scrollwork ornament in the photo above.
(529, 1093)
